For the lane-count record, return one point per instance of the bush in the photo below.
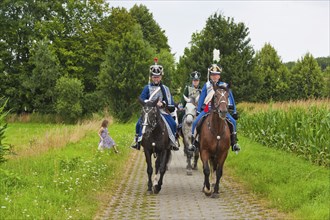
(69, 95)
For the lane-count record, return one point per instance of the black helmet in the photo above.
(156, 70)
(215, 69)
(195, 75)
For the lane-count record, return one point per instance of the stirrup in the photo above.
(136, 146)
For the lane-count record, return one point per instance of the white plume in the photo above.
(216, 55)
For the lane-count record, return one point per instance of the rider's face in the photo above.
(215, 77)
(156, 79)
(195, 83)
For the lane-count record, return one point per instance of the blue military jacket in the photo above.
(163, 94)
(206, 89)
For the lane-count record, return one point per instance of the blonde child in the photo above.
(105, 140)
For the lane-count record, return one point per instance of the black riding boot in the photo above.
(234, 144)
(137, 143)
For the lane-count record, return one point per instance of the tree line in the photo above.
(75, 58)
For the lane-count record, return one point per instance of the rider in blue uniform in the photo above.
(165, 103)
(214, 73)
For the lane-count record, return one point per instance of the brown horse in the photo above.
(214, 139)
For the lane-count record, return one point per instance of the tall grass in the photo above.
(301, 127)
(61, 183)
(29, 139)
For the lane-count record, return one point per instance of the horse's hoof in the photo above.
(195, 168)
(207, 192)
(189, 172)
(155, 189)
(215, 195)
(149, 192)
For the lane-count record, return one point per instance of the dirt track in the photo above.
(181, 196)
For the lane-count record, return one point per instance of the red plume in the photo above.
(156, 60)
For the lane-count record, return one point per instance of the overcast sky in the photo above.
(293, 28)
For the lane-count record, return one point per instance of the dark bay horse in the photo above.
(214, 139)
(155, 141)
(188, 118)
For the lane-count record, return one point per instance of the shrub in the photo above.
(69, 95)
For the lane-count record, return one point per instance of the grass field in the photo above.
(289, 183)
(63, 182)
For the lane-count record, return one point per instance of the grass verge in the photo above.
(64, 183)
(290, 184)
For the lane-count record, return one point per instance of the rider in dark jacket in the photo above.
(157, 90)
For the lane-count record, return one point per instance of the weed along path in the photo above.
(181, 196)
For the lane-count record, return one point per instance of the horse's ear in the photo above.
(187, 99)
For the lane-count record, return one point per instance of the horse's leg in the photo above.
(186, 143)
(189, 167)
(157, 165)
(206, 171)
(149, 170)
(219, 172)
(162, 169)
(196, 156)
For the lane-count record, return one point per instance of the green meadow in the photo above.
(64, 182)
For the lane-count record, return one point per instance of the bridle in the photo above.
(149, 121)
(218, 101)
(189, 113)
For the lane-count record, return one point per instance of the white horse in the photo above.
(188, 119)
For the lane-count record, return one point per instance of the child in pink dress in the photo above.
(106, 142)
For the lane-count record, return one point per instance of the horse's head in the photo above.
(220, 100)
(149, 116)
(190, 109)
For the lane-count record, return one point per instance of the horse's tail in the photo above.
(168, 157)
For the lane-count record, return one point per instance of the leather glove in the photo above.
(235, 115)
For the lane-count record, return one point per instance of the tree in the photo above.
(150, 28)
(273, 74)
(124, 72)
(41, 82)
(327, 82)
(307, 80)
(68, 98)
(236, 55)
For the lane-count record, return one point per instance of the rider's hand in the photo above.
(235, 115)
(159, 104)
